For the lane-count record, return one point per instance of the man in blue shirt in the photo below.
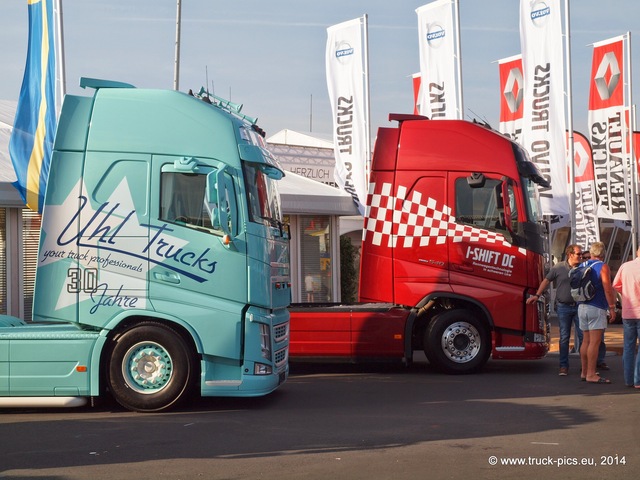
(593, 314)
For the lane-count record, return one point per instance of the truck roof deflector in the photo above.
(97, 83)
(401, 117)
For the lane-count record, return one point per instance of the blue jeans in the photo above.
(567, 316)
(630, 359)
(602, 350)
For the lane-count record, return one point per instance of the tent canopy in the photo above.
(9, 196)
(303, 196)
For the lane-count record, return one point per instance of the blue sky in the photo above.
(269, 55)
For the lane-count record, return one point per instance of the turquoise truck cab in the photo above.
(163, 265)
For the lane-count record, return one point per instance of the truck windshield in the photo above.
(262, 195)
(530, 178)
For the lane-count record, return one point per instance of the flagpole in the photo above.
(176, 70)
(456, 16)
(62, 81)
(367, 106)
(634, 171)
(572, 160)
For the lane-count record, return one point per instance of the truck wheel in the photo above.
(150, 368)
(456, 342)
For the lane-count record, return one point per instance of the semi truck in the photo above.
(453, 244)
(163, 264)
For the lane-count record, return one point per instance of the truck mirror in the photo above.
(501, 199)
(266, 162)
(271, 172)
(476, 180)
(506, 207)
(212, 189)
(211, 199)
(223, 202)
(499, 196)
(217, 203)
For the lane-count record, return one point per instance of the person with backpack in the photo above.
(627, 282)
(602, 351)
(593, 313)
(566, 306)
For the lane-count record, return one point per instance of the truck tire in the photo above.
(457, 343)
(151, 368)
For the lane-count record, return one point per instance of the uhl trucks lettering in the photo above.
(163, 267)
(453, 245)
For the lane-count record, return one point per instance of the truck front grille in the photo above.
(281, 357)
(281, 332)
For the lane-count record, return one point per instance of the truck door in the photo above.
(420, 235)
(483, 244)
(107, 237)
(197, 261)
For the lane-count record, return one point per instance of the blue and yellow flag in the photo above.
(34, 126)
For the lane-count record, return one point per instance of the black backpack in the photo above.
(581, 280)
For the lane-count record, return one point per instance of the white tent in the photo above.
(291, 137)
(302, 196)
(9, 196)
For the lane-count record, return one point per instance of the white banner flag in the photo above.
(608, 128)
(346, 79)
(511, 95)
(437, 35)
(543, 131)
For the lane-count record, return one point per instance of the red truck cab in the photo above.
(453, 237)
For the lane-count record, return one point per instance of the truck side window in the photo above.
(183, 200)
(477, 206)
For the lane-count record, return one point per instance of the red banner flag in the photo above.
(511, 95)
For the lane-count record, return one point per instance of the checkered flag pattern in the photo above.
(419, 221)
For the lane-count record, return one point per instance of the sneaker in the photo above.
(563, 371)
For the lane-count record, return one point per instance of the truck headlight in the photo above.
(265, 341)
(262, 369)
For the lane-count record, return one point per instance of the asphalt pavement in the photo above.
(514, 420)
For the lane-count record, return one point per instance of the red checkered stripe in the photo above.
(419, 221)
